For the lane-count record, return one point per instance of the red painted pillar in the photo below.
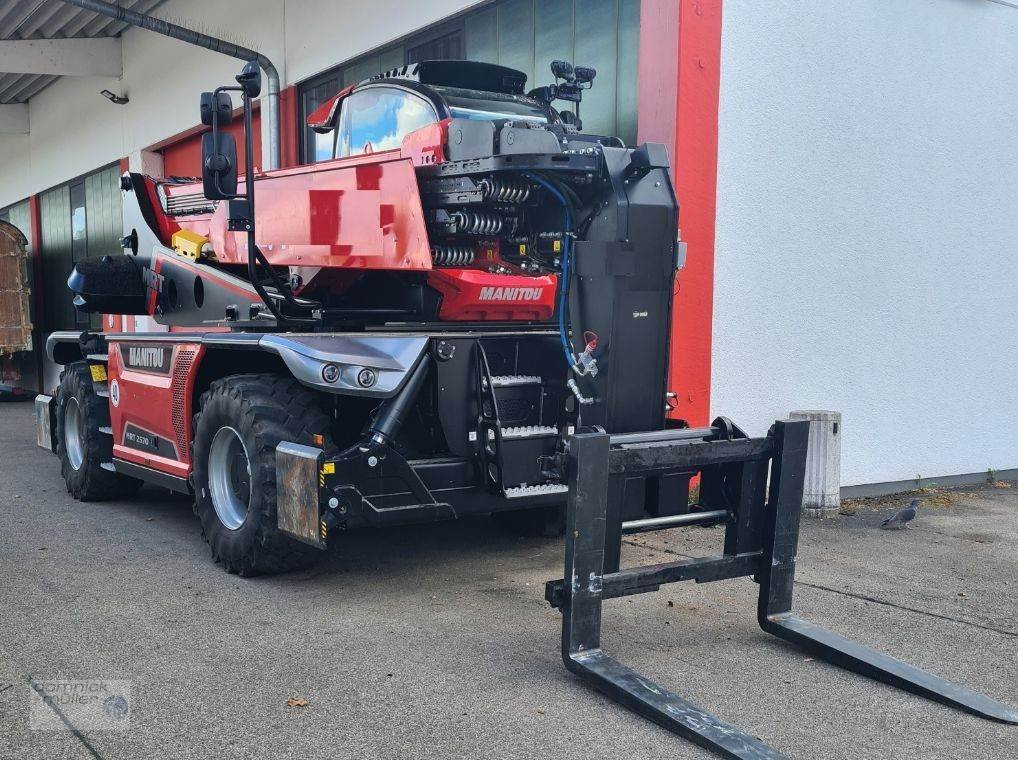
(682, 39)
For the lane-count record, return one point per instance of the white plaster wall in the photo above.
(320, 34)
(74, 130)
(867, 229)
(15, 169)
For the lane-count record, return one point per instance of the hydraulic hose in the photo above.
(563, 306)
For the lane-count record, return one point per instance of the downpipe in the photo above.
(191, 37)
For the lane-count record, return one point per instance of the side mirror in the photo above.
(250, 79)
(221, 105)
(219, 165)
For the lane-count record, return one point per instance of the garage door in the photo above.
(79, 219)
(18, 215)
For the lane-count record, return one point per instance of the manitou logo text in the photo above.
(151, 358)
(146, 358)
(511, 294)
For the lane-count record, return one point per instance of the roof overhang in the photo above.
(42, 40)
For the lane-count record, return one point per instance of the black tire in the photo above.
(543, 522)
(262, 410)
(89, 480)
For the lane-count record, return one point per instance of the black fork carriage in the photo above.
(754, 486)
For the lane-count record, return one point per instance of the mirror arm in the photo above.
(254, 256)
(252, 248)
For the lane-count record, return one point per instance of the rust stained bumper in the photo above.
(298, 478)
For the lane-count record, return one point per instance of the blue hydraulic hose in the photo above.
(566, 255)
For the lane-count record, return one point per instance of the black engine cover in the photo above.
(621, 287)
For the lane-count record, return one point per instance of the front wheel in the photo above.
(84, 440)
(242, 420)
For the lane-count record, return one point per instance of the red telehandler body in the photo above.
(466, 310)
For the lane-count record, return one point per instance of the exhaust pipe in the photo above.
(191, 37)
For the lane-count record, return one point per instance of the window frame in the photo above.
(456, 24)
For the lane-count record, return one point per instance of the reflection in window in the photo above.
(378, 118)
(323, 145)
(79, 222)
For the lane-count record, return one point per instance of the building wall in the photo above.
(74, 131)
(867, 232)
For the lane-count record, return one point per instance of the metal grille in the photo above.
(188, 205)
(178, 413)
(514, 409)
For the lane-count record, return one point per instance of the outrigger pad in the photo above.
(758, 484)
(297, 492)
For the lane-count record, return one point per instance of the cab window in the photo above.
(378, 118)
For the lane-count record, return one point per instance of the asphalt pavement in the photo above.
(436, 642)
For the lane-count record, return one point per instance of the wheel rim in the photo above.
(229, 477)
(73, 438)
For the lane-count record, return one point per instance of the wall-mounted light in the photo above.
(114, 98)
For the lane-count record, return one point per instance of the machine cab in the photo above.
(377, 114)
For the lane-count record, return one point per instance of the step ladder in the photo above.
(517, 432)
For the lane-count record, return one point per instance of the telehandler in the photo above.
(466, 310)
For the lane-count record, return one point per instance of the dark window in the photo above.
(378, 118)
(318, 147)
(448, 47)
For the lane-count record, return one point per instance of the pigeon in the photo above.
(901, 518)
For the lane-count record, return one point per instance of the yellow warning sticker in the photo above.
(556, 246)
(523, 249)
(98, 373)
(329, 468)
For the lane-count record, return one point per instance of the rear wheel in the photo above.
(84, 445)
(242, 419)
